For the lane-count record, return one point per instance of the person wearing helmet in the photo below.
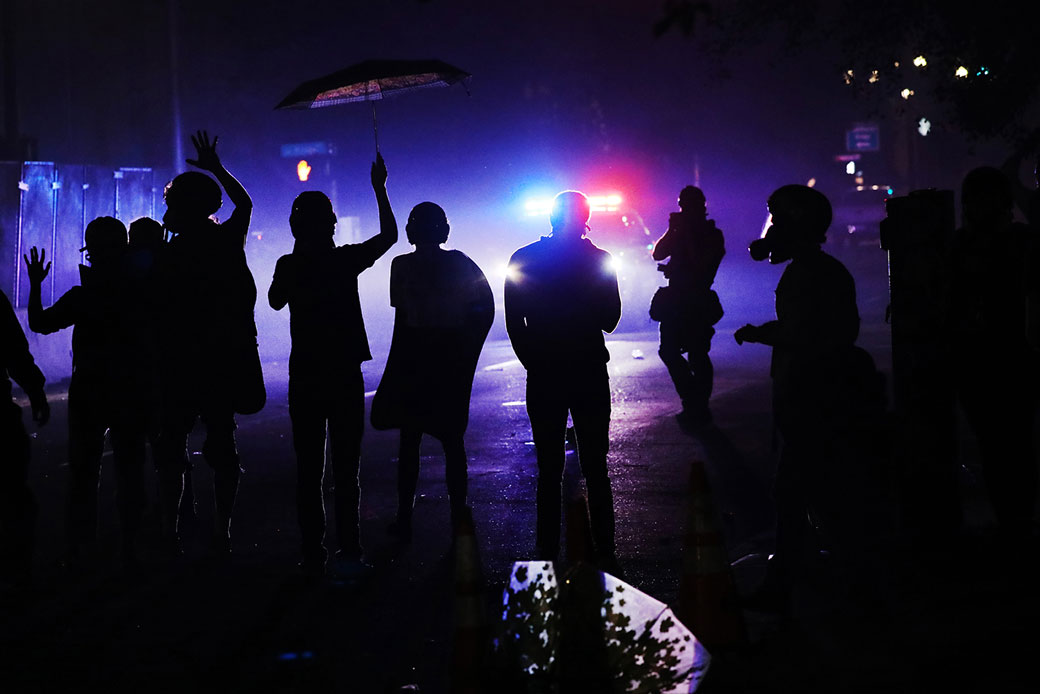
(210, 365)
(106, 346)
(561, 295)
(444, 310)
(813, 337)
(319, 282)
(688, 307)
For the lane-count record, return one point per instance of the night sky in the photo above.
(563, 94)
(575, 94)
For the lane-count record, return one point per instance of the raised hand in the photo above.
(206, 152)
(378, 172)
(748, 333)
(35, 267)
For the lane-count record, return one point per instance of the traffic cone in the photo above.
(708, 602)
(471, 638)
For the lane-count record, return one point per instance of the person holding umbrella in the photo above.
(319, 282)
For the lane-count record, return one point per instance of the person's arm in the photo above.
(663, 247)
(379, 244)
(516, 313)
(765, 334)
(209, 161)
(46, 320)
(481, 312)
(609, 304)
(278, 294)
(19, 362)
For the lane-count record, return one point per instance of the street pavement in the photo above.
(895, 621)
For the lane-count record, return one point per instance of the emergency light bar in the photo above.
(599, 203)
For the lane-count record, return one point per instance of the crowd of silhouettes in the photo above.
(164, 336)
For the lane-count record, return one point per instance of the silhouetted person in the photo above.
(444, 310)
(561, 294)
(813, 336)
(995, 375)
(208, 336)
(147, 243)
(319, 281)
(105, 379)
(1026, 198)
(18, 507)
(688, 308)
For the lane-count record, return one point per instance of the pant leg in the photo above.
(221, 454)
(18, 507)
(346, 426)
(177, 416)
(547, 409)
(129, 440)
(86, 447)
(308, 427)
(1002, 418)
(590, 410)
(670, 352)
(408, 456)
(456, 473)
(703, 372)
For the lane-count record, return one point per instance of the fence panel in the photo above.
(10, 175)
(68, 229)
(133, 194)
(36, 211)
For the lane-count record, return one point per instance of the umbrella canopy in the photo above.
(593, 628)
(371, 81)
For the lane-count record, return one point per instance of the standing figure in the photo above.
(18, 506)
(561, 295)
(688, 307)
(210, 368)
(813, 338)
(103, 392)
(444, 312)
(319, 282)
(996, 369)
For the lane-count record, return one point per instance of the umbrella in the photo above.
(371, 81)
(593, 629)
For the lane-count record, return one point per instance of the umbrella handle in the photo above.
(375, 125)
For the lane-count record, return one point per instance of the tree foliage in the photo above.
(871, 48)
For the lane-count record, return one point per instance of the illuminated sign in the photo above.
(303, 170)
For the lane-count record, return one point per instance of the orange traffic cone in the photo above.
(471, 640)
(708, 602)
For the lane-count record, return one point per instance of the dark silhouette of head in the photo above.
(191, 197)
(427, 224)
(106, 240)
(145, 234)
(801, 216)
(986, 197)
(570, 214)
(691, 199)
(312, 217)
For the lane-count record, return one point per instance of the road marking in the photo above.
(514, 403)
